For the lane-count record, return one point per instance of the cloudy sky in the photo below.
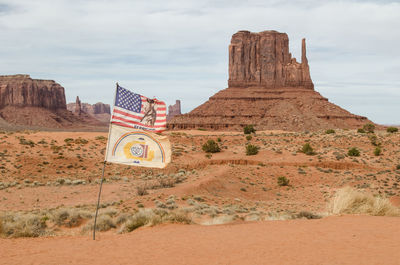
(179, 49)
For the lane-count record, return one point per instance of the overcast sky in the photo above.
(179, 49)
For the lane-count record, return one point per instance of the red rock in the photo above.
(174, 110)
(99, 111)
(269, 89)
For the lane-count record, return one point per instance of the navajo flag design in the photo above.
(139, 112)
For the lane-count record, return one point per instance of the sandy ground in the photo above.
(332, 240)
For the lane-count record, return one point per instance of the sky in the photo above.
(179, 49)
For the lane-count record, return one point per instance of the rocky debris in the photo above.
(23, 91)
(174, 110)
(269, 89)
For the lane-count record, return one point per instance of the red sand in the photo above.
(333, 240)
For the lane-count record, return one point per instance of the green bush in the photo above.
(252, 150)
(377, 151)
(211, 147)
(283, 181)
(369, 128)
(398, 167)
(249, 137)
(330, 131)
(374, 140)
(248, 129)
(353, 152)
(307, 149)
(392, 129)
(361, 131)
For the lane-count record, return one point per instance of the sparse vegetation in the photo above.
(369, 128)
(392, 129)
(307, 149)
(353, 152)
(361, 130)
(249, 137)
(211, 147)
(350, 201)
(283, 181)
(374, 140)
(251, 149)
(377, 151)
(248, 129)
(330, 131)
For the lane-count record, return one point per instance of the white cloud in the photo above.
(179, 49)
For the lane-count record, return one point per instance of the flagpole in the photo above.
(104, 166)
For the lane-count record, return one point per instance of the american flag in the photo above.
(136, 111)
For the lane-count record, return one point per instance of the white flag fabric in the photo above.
(137, 147)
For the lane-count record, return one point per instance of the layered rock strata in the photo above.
(269, 89)
(99, 111)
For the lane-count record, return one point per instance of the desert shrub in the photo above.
(23, 141)
(361, 131)
(69, 217)
(398, 167)
(283, 181)
(369, 128)
(81, 141)
(100, 138)
(141, 190)
(219, 140)
(22, 225)
(329, 131)
(211, 147)
(249, 137)
(374, 140)
(350, 201)
(392, 129)
(166, 182)
(252, 149)
(377, 151)
(307, 149)
(308, 215)
(68, 140)
(353, 152)
(248, 129)
(103, 223)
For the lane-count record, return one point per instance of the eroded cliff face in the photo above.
(174, 110)
(23, 91)
(263, 59)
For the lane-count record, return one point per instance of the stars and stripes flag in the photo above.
(139, 112)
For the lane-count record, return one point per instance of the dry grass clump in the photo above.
(22, 225)
(104, 223)
(150, 217)
(69, 217)
(350, 201)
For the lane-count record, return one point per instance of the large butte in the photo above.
(269, 89)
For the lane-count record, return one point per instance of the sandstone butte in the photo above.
(174, 110)
(99, 111)
(269, 89)
(37, 103)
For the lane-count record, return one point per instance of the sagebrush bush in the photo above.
(377, 151)
(249, 137)
(252, 149)
(307, 149)
(361, 131)
(211, 147)
(103, 223)
(22, 225)
(353, 152)
(369, 128)
(350, 201)
(141, 190)
(283, 181)
(374, 140)
(392, 129)
(398, 167)
(248, 129)
(329, 131)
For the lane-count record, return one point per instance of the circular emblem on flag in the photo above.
(137, 150)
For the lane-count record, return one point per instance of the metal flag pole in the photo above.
(104, 166)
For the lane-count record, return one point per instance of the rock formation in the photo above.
(22, 90)
(269, 89)
(174, 110)
(99, 111)
(39, 104)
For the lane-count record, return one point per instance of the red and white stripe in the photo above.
(132, 119)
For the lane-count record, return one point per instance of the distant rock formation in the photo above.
(27, 103)
(269, 89)
(174, 110)
(23, 91)
(99, 111)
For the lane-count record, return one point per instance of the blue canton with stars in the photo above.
(128, 100)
